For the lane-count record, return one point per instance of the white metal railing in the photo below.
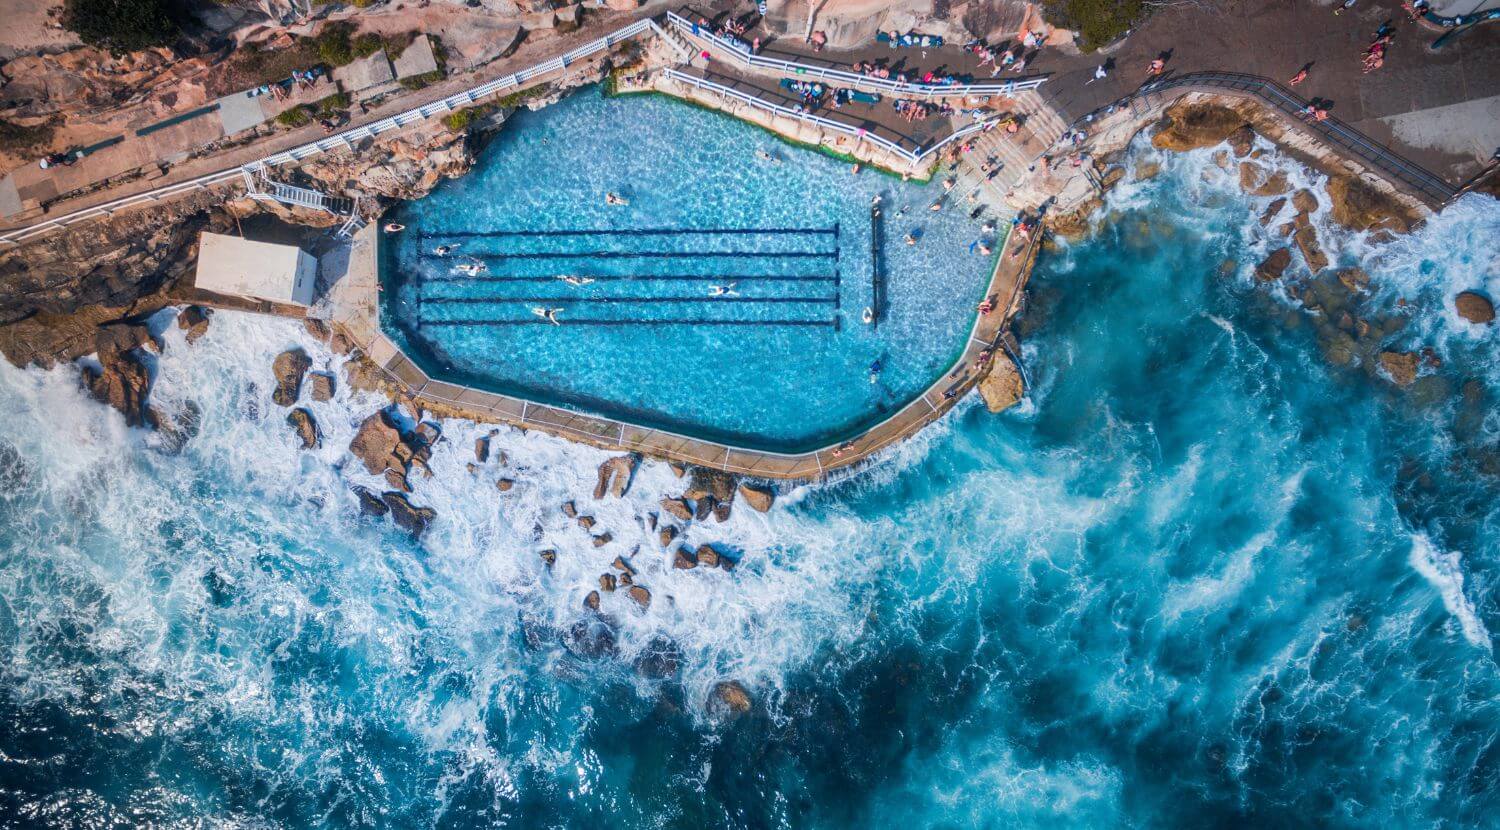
(742, 55)
(337, 141)
(914, 156)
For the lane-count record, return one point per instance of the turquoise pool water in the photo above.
(779, 361)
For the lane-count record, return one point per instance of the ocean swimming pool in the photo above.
(726, 300)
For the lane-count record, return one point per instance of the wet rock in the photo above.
(721, 511)
(661, 658)
(677, 508)
(118, 338)
(177, 427)
(614, 477)
(1474, 307)
(288, 369)
(1258, 181)
(1112, 177)
(677, 469)
(1400, 366)
(1307, 242)
(707, 556)
(1271, 210)
(482, 446)
(591, 638)
(407, 516)
(123, 382)
(586, 522)
(1431, 391)
(1355, 280)
(306, 428)
(549, 556)
(1189, 126)
(321, 386)
(667, 534)
(1146, 170)
(607, 583)
(369, 503)
(1273, 266)
(1360, 207)
(570, 510)
(704, 508)
(621, 565)
(591, 601)
(1001, 387)
(194, 321)
(1304, 201)
(642, 596)
(707, 482)
(380, 445)
(427, 434)
(603, 539)
(1338, 347)
(504, 485)
(650, 521)
(1241, 140)
(684, 561)
(728, 698)
(626, 580)
(758, 498)
(397, 480)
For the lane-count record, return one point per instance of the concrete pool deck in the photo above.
(350, 302)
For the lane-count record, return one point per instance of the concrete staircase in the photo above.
(1016, 154)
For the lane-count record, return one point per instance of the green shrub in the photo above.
(123, 25)
(368, 44)
(419, 81)
(333, 104)
(459, 120)
(1097, 22)
(294, 117)
(515, 98)
(334, 46)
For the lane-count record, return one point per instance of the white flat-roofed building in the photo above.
(259, 270)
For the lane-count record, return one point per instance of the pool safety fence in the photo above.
(740, 53)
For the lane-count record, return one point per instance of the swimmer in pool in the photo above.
(615, 199)
(444, 250)
(723, 290)
(548, 314)
(472, 269)
(572, 280)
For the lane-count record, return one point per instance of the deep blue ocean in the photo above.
(1201, 577)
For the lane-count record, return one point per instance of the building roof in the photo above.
(232, 265)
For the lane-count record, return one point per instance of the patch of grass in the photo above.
(424, 80)
(1097, 22)
(515, 99)
(368, 44)
(19, 138)
(294, 117)
(459, 120)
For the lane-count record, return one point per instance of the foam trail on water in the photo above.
(1444, 572)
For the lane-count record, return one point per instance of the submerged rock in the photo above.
(1355, 280)
(408, 516)
(729, 698)
(549, 556)
(759, 498)
(177, 427)
(1474, 307)
(1401, 366)
(661, 658)
(614, 476)
(1360, 207)
(288, 369)
(304, 425)
(591, 638)
(369, 503)
(1002, 386)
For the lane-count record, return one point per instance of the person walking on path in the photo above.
(1158, 65)
(1100, 73)
(1300, 76)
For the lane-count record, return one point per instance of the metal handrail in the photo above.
(1332, 130)
(853, 78)
(339, 140)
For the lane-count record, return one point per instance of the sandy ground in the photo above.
(29, 27)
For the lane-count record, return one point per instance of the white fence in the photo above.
(741, 54)
(914, 156)
(347, 138)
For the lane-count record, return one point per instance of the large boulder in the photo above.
(369, 503)
(1001, 387)
(1189, 126)
(123, 382)
(729, 698)
(641, 596)
(1258, 181)
(379, 444)
(678, 508)
(321, 386)
(304, 425)
(759, 498)
(705, 481)
(614, 476)
(1401, 366)
(1274, 265)
(194, 321)
(1360, 207)
(1307, 242)
(407, 516)
(1474, 307)
(288, 369)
